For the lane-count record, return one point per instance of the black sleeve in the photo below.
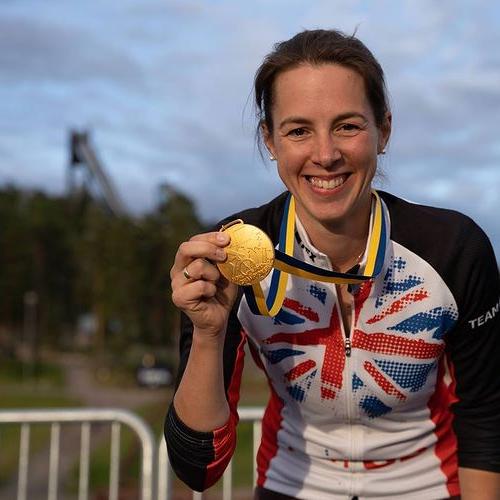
(474, 350)
(200, 458)
(189, 452)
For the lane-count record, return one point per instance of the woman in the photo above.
(386, 388)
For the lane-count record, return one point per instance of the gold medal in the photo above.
(250, 254)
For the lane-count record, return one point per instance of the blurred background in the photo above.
(126, 126)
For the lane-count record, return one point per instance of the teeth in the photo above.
(327, 184)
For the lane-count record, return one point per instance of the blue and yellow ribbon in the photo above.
(285, 264)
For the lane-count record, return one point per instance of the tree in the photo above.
(80, 261)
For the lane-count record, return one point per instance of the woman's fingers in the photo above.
(198, 288)
(219, 238)
(204, 246)
(198, 269)
(189, 295)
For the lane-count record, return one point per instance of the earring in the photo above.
(272, 157)
(382, 152)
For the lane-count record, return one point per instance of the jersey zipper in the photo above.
(349, 397)
(352, 404)
(348, 382)
(347, 344)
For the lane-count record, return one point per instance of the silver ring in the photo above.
(186, 274)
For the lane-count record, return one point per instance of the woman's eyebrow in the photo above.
(306, 121)
(350, 114)
(295, 119)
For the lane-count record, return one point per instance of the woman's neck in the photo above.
(343, 242)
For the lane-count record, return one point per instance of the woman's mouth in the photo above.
(323, 183)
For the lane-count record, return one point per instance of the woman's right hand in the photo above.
(198, 287)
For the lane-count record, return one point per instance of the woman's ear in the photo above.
(267, 137)
(385, 132)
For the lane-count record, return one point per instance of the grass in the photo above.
(14, 372)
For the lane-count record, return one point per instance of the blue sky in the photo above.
(165, 87)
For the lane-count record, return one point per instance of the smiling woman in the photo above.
(383, 383)
(326, 141)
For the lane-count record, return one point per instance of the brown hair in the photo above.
(320, 47)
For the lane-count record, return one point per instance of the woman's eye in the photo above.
(348, 128)
(297, 132)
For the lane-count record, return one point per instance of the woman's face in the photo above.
(326, 142)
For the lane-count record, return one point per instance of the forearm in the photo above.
(479, 484)
(200, 401)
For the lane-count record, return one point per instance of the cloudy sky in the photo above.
(164, 86)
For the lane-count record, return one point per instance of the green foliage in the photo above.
(35, 254)
(78, 260)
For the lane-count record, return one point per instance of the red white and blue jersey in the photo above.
(393, 414)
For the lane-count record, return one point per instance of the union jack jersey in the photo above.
(388, 409)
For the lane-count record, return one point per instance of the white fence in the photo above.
(155, 475)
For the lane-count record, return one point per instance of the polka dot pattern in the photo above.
(439, 318)
(383, 382)
(356, 382)
(318, 293)
(299, 390)
(406, 375)
(300, 369)
(399, 305)
(280, 354)
(392, 287)
(373, 407)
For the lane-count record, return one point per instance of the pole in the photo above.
(29, 332)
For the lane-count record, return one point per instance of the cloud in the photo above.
(164, 85)
(37, 51)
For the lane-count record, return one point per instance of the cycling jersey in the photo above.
(388, 410)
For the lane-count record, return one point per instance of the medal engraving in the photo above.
(250, 254)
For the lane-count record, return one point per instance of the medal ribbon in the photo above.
(285, 263)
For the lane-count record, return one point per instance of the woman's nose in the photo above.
(326, 150)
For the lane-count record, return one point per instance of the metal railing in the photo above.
(85, 417)
(248, 414)
(152, 454)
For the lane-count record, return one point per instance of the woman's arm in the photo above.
(479, 484)
(474, 351)
(206, 298)
(199, 452)
(200, 425)
(200, 401)
(200, 457)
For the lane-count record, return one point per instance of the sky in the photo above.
(164, 87)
